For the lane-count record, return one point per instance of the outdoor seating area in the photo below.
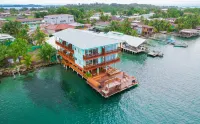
(112, 71)
(112, 82)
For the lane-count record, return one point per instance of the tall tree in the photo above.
(19, 47)
(12, 28)
(3, 53)
(39, 36)
(46, 52)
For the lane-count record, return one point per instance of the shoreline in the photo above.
(8, 72)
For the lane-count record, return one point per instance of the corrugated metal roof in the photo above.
(131, 40)
(85, 39)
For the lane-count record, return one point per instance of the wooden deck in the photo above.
(105, 84)
(109, 85)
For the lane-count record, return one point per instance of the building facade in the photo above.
(32, 23)
(59, 19)
(91, 55)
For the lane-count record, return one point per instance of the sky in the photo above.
(155, 2)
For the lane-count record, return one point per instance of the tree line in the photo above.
(20, 47)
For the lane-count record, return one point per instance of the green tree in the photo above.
(27, 60)
(13, 11)
(46, 52)
(19, 47)
(12, 28)
(104, 17)
(134, 33)
(3, 53)
(39, 36)
(114, 12)
(1, 9)
(23, 33)
(62, 10)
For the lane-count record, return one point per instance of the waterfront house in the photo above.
(130, 43)
(187, 33)
(32, 23)
(91, 56)
(147, 30)
(59, 19)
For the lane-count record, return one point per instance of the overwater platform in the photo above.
(107, 82)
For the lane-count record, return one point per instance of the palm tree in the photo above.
(46, 52)
(39, 36)
(27, 60)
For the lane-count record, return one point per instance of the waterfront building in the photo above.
(130, 44)
(32, 23)
(93, 56)
(187, 33)
(147, 30)
(59, 19)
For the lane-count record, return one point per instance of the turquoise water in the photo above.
(169, 92)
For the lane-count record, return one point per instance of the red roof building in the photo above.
(55, 28)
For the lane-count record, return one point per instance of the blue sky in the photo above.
(156, 2)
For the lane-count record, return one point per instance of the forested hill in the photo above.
(113, 6)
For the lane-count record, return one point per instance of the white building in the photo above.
(6, 37)
(59, 19)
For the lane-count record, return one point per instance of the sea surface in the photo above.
(168, 93)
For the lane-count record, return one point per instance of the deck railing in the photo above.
(65, 47)
(97, 55)
(66, 57)
(91, 67)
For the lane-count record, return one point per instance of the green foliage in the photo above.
(171, 13)
(46, 52)
(3, 53)
(27, 60)
(13, 11)
(12, 28)
(104, 17)
(40, 14)
(114, 12)
(39, 36)
(23, 33)
(188, 22)
(192, 10)
(123, 27)
(88, 75)
(18, 48)
(1, 9)
(159, 25)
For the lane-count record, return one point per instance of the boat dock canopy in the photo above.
(131, 40)
(189, 31)
(85, 39)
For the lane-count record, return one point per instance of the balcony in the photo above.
(66, 57)
(91, 67)
(97, 55)
(65, 47)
